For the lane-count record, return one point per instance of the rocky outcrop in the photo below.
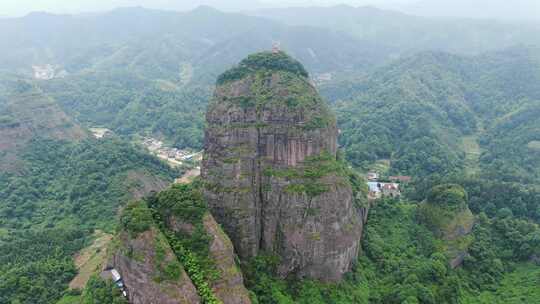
(447, 214)
(149, 268)
(229, 287)
(271, 175)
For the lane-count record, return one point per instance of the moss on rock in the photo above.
(446, 213)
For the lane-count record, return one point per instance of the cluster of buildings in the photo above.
(389, 188)
(100, 133)
(172, 155)
(48, 72)
(323, 78)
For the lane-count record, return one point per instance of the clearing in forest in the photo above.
(188, 176)
(472, 153)
(91, 259)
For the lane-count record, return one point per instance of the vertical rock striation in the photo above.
(149, 268)
(271, 175)
(139, 265)
(182, 209)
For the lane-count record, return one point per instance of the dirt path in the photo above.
(188, 176)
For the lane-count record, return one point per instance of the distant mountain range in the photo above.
(490, 9)
(206, 39)
(157, 44)
(407, 32)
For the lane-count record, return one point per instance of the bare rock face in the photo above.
(229, 288)
(148, 266)
(271, 175)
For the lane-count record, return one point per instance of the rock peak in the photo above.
(264, 61)
(271, 172)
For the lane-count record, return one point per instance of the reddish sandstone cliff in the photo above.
(271, 175)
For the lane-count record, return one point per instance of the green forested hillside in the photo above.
(410, 112)
(164, 45)
(416, 112)
(128, 104)
(444, 101)
(140, 71)
(403, 262)
(56, 187)
(49, 210)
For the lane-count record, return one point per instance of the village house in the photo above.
(379, 189)
(391, 190)
(173, 156)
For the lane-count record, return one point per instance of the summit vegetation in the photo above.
(271, 61)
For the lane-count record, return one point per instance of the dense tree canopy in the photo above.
(49, 210)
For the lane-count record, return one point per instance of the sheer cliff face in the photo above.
(142, 261)
(271, 174)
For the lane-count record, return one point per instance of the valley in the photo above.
(221, 157)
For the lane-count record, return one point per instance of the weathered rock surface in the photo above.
(447, 214)
(270, 170)
(229, 288)
(457, 237)
(141, 262)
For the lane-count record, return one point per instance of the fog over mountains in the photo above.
(517, 10)
(493, 9)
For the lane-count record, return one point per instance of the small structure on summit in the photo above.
(276, 47)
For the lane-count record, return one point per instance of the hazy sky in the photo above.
(22, 7)
(503, 9)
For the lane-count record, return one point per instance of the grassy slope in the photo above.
(472, 154)
(91, 259)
